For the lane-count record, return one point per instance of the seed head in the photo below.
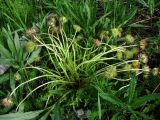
(17, 76)
(63, 20)
(104, 35)
(116, 32)
(97, 42)
(111, 72)
(52, 20)
(127, 67)
(128, 54)
(119, 55)
(144, 58)
(55, 29)
(143, 44)
(146, 71)
(30, 46)
(77, 28)
(136, 64)
(135, 50)
(129, 39)
(7, 102)
(31, 33)
(155, 71)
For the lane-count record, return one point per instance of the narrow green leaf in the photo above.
(115, 116)
(33, 56)
(132, 87)
(21, 116)
(99, 107)
(16, 42)
(143, 3)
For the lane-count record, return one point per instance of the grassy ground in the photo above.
(84, 59)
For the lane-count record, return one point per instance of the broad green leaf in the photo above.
(33, 56)
(21, 116)
(45, 116)
(4, 52)
(4, 61)
(112, 99)
(132, 87)
(12, 82)
(4, 78)
(56, 113)
(10, 42)
(142, 100)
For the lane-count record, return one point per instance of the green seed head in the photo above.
(155, 71)
(119, 55)
(17, 76)
(30, 46)
(128, 54)
(111, 72)
(146, 69)
(127, 67)
(63, 20)
(144, 58)
(136, 64)
(129, 39)
(135, 50)
(77, 28)
(143, 44)
(116, 32)
(104, 35)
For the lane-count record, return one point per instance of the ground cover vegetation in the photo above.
(79, 60)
